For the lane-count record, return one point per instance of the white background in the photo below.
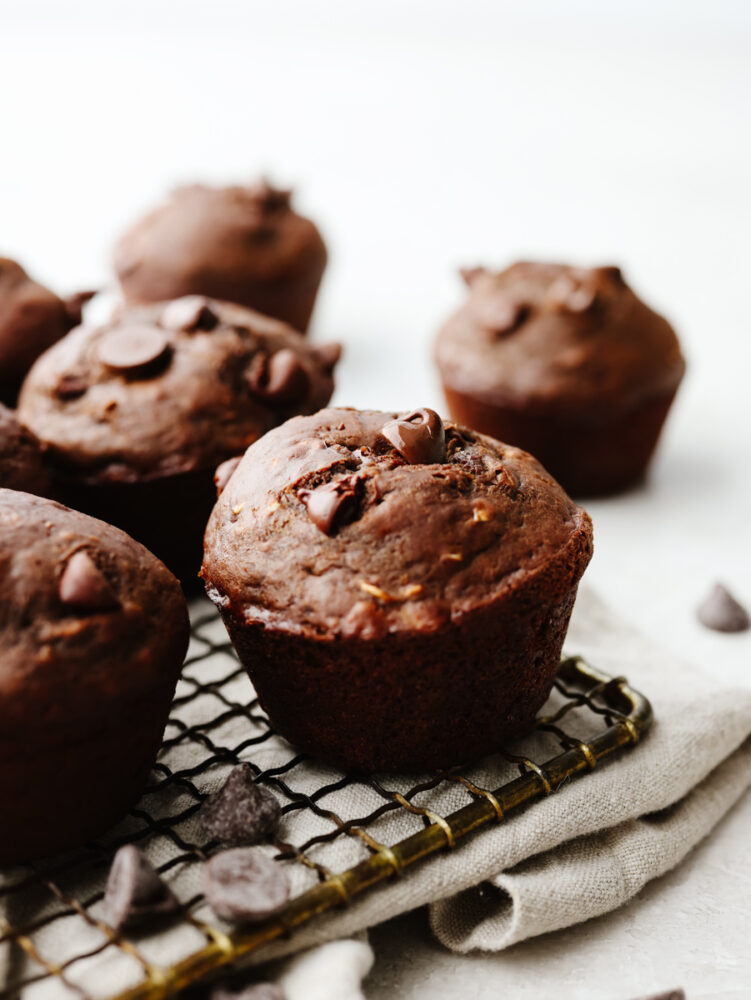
(424, 136)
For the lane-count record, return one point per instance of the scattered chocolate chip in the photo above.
(224, 472)
(189, 313)
(670, 995)
(419, 437)
(333, 504)
(720, 611)
(498, 312)
(71, 387)
(74, 305)
(83, 585)
(244, 885)
(254, 991)
(134, 892)
(327, 355)
(471, 274)
(241, 812)
(282, 379)
(132, 348)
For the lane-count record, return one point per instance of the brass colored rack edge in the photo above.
(389, 862)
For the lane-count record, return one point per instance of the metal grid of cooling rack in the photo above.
(340, 836)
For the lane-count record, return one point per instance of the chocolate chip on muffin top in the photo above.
(170, 388)
(362, 522)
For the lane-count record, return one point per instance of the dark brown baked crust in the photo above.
(425, 616)
(241, 244)
(565, 362)
(31, 319)
(21, 463)
(136, 415)
(94, 630)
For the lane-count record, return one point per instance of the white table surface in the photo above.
(424, 136)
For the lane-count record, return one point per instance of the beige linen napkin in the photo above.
(583, 851)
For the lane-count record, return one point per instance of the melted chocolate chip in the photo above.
(241, 812)
(133, 349)
(224, 472)
(189, 313)
(327, 356)
(134, 892)
(333, 504)
(419, 437)
(720, 611)
(245, 885)
(83, 585)
(282, 380)
(71, 387)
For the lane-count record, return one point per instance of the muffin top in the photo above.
(359, 523)
(537, 335)
(31, 318)
(21, 463)
(217, 241)
(84, 609)
(170, 388)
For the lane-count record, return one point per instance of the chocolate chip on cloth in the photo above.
(22, 465)
(94, 630)
(240, 244)
(241, 812)
(32, 318)
(565, 362)
(721, 612)
(137, 415)
(135, 893)
(404, 576)
(244, 885)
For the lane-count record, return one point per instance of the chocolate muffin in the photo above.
(21, 457)
(567, 363)
(31, 319)
(93, 630)
(241, 244)
(136, 415)
(398, 589)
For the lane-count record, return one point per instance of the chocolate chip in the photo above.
(720, 611)
(419, 437)
(255, 991)
(134, 892)
(74, 306)
(224, 472)
(498, 312)
(189, 313)
(571, 296)
(83, 585)
(670, 995)
(333, 504)
(244, 885)
(71, 387)
(282, 380)
(327, 356)
(271, 199)
(133, 348)
(241, 812)
(471, 274)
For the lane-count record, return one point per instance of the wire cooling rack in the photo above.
(340, 836)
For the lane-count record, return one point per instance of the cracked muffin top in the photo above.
(169, 388)
(359, 523)
(537, 335)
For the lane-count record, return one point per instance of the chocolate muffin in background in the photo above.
(22, 465)
(32, 318)
(137, 414)
(240, 244)
(566, 363)
(93, 636)
(398, 588)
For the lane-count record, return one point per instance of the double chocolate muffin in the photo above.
(22, 464)
(397, 588)
(567, 363)
(136, 415)
(241, 244)
(32, 318)
(93, 630)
